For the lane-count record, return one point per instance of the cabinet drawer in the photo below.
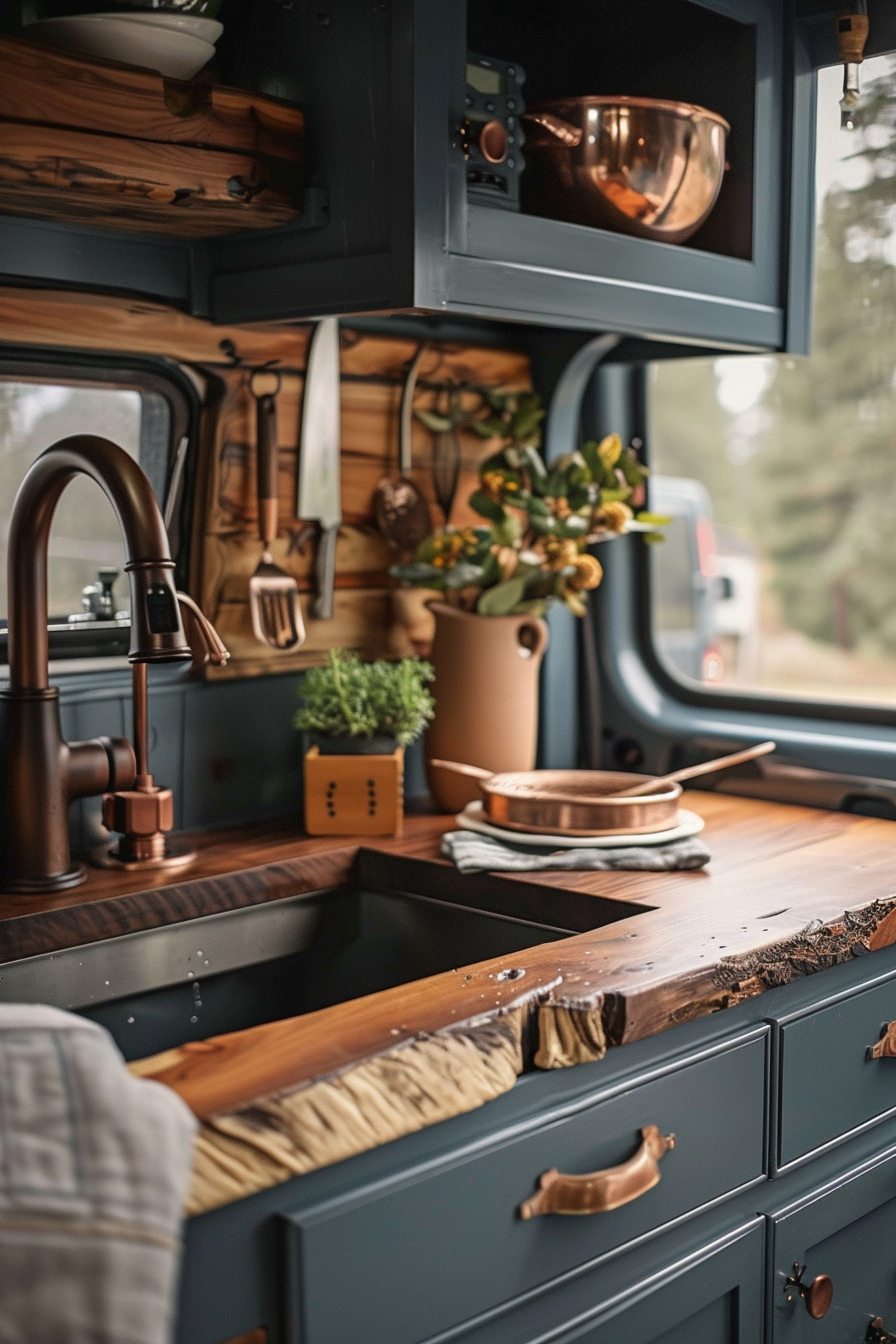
(714, 1298)
(845, 1234)
(828, 1084)
(441, 1246)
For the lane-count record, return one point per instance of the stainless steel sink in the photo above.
(399, 921)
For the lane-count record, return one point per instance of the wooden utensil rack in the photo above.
(122, 147)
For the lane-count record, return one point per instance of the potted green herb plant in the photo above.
(498, 579)
(360, 717)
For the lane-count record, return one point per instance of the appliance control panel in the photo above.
(491, 134)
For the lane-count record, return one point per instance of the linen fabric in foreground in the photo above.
(94, 1171)
(474, 853)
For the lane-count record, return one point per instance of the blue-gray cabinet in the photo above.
(392, 222)
(830, 1084)
(421, 1241)
(465, 1213)
(403, 229)
(845, 1232)
(714, 1297)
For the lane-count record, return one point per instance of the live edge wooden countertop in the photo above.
(789, 890)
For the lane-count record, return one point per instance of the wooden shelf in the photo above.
(122, 147)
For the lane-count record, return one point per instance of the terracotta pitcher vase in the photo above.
(486, 693)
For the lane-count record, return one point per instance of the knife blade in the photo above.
(319, 492)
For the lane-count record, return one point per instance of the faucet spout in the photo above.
(156, 631)
(44, 773)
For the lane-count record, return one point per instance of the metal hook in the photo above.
(267, 367)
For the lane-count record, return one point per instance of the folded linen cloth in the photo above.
(475, 853)
(94, 1171)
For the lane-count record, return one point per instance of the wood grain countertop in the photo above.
(789, 890)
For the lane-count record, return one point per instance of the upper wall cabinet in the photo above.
(422, 195)
(396, 105)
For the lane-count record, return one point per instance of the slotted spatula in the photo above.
(273, 594)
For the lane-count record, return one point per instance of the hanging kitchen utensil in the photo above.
(446, 459)
(273, 594)
(320, 484)
(851, 27)
(693, 771)
(402, 514)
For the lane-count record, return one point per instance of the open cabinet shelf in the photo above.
(389, 225)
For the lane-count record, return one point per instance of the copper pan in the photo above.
(573, 802)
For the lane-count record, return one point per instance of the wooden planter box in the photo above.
(354, 795)
(120, 146)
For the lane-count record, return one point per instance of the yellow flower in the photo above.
(559, 507)
(609, 450)
(613, 517)
(493, 484)
(557, 554)
(589, 573)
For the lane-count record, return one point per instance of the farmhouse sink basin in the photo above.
(398, 921)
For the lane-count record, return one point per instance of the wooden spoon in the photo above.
(692, 771)
(646, 786)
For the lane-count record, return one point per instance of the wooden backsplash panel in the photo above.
(226, 548)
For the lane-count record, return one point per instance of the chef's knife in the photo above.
(319, 482)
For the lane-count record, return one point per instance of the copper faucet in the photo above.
(44, 773)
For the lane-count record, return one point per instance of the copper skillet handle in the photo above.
(602, 1191)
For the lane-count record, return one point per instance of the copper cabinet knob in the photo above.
(493, 141)
(877, 1332)
(817, 1295)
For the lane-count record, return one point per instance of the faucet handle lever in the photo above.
(205, 642)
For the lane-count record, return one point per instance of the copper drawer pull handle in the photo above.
(886, 1046)
(601, 1191)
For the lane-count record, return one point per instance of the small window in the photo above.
(88, 589)
(778, 575)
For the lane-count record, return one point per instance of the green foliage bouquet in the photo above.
(348, 698)
(538, 519)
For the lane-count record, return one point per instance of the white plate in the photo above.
(471, 819)
(209, 30)
(176, 54)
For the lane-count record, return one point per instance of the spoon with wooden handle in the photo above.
(692, 771)
(646, 786)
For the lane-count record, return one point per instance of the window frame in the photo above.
(729, 698)
(147, 375)
(628, 698)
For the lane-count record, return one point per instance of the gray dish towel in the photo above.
(94, 1170)
(475, 853)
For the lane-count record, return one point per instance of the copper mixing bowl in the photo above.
(636, 165)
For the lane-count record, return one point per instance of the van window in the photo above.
(88, 589)
(779, 570)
